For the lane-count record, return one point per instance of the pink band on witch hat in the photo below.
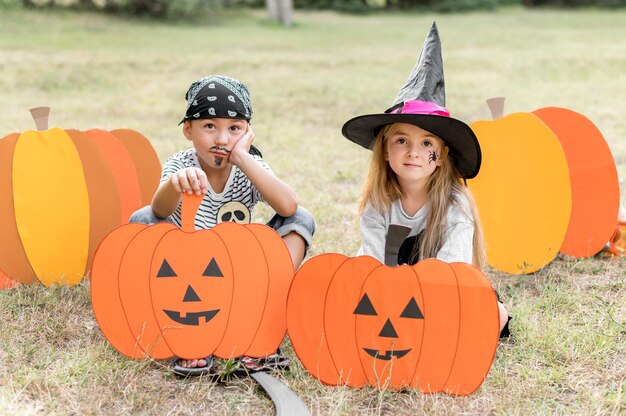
(422, 107)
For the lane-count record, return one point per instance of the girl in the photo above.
(414, 205)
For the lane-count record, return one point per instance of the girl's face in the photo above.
(413, 153)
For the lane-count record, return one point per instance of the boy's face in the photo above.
(214, 138)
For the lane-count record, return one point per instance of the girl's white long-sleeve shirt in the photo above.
(383, 235)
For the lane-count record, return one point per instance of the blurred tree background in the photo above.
(280, 10)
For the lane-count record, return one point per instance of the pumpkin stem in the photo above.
(191, 203)
(496, 106)
(40, 115)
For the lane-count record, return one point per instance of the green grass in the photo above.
(568, 350)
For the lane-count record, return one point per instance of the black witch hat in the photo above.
(421, 102)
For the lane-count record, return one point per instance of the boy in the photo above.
(230, 173)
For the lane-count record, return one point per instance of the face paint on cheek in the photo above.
(432, 157)
(218, 161)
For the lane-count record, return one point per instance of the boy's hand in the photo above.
(242, 146)
(190, 181)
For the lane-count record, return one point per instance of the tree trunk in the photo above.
(272, 9)
(285, 8)
(280, 10)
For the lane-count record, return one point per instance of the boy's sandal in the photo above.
(271, 362)
(248, 365)
(192, 371)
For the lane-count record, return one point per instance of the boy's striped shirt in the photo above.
(238, 188)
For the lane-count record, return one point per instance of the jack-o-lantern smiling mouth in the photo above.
(388, 354)
(191, 318)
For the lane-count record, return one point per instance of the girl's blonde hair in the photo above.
(443, 189)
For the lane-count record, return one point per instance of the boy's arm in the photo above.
(275, 192)
(169, 193)
(165, 199)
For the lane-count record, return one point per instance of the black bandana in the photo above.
(218, 96)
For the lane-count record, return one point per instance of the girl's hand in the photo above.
(190, 181)
(242, 146)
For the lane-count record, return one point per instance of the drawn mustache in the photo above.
(220, 149)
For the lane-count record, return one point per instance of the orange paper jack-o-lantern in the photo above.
(62, 191)
(160, 291)
(432, 326)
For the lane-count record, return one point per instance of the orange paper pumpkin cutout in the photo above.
(61, 196)
(594, 181)
(522, 191)
(432, 326)
(192, 293)
(548, 183)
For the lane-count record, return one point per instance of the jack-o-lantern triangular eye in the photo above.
(212, 270)
(365, 307)
(166, 270)
(412, 310)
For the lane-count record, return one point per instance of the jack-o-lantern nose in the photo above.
(388, 330)
(191, 295)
